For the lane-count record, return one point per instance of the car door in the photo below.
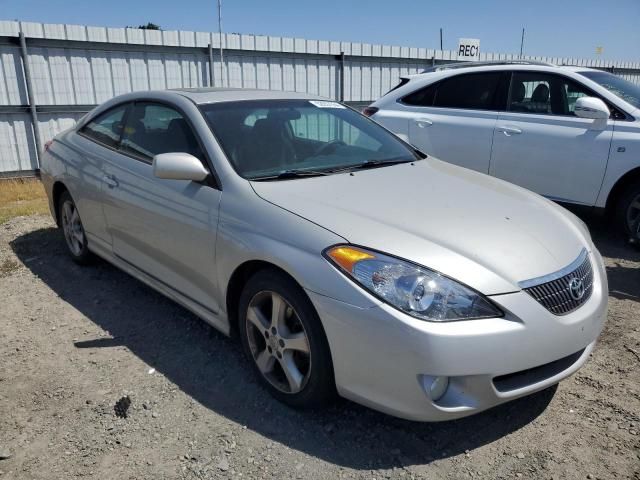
(164, 228)
(454, 119)
(541, 145)
(94, 143)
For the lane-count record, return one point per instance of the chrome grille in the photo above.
(554, 292)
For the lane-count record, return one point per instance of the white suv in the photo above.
(571, 134)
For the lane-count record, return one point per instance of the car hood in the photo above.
(484, 232)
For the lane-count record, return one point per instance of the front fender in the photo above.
(253, 229)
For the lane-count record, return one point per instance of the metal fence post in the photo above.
(342, 76)
(30, 97)
(210, 65)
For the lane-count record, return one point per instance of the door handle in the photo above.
(110, 181)
(423, 122)
(508, 131)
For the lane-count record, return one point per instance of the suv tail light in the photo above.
(368, 111)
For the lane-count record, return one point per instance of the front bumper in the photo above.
(387, 360)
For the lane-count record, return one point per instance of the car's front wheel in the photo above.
(628, 209)
(73, 230)
(284, 340)
(635, 232)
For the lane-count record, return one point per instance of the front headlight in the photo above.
(418, 291)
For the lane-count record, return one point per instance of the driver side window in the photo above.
(543, 93)
(154, 128)
(573, 93)
(107, 127)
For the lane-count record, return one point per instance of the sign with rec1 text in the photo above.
(469, 49)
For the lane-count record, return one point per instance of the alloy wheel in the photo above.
(278, 342)
(635, 230)
(72, 227)
(633, 213)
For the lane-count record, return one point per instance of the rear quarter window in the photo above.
(422, 97)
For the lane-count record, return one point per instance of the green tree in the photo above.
(150, 26)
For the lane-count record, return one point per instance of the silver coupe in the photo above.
(345, 260)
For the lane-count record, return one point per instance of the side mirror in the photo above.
(591, 107)
(179, 166)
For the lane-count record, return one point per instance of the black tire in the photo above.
(635, 233)
(626, 214)
(77, 249)
(319, 387)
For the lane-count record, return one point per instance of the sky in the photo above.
(556, 28)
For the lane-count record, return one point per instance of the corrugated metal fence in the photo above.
(71, 68)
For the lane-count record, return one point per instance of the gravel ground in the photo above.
(74, 340)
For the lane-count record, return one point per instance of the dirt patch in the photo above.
(74, 341)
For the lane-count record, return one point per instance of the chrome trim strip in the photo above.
(532, 282)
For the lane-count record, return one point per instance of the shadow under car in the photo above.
(211, 369)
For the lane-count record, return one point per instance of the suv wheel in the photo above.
(635, 232)
(73, 230)
(628, 209)
(285, 342)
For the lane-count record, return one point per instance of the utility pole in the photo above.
(223, 83)
(522, 43)
(441, 39)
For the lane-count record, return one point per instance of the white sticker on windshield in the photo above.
(326, 104)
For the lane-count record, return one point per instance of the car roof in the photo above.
(199, 96)
(214, 94)
(451, 69)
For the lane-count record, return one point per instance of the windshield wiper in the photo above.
(287, 174)
(374, 164)
(301, 173)
(387, 161)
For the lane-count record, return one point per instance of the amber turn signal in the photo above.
(346, 257)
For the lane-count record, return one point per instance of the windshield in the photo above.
(629, 92)
(270, 138)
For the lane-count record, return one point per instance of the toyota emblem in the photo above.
(576, 288)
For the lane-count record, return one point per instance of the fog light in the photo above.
(438, 388)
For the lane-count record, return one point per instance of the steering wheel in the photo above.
(332, 145)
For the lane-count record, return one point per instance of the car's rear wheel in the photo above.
(284, 339)
(73, 230)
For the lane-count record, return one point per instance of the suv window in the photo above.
(107, 127)
(154, 128)
(423, 97)
(544, 93)
(472, 91)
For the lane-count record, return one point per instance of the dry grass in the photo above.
(21, 197)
